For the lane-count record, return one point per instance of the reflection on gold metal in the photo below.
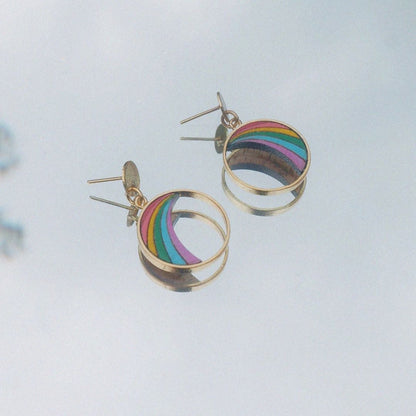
(268, 164)
(158, 243)
(268, 146)
(262, 212)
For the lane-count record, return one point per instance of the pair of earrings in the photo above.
(265, 146)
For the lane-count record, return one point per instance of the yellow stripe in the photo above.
(150, 236)
(275, 130)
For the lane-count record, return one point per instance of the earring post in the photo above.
(114, 178)
(106, 201)
(200, 139)
(201, 114)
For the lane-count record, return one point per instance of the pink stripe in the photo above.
(260, 125)
(182, 250)
(146, 216)
(297, 160)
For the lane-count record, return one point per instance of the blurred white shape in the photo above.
(8, 157)
(11, 237)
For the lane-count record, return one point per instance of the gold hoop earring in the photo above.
(267, 146)
(164, 256)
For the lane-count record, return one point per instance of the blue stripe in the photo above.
(170, 248)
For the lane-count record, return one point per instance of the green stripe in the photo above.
(160, 246)
(297, 141)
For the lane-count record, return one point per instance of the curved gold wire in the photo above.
(169, 267)
(135, 197)
(262, 212)
(185, 281)
(266, 191)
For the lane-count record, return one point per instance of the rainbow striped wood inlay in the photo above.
(158, 234)
(285, 146)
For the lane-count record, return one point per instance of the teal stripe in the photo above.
(297, 141)
(172, 252)
(295, 149)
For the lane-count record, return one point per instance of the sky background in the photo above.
(314, 313)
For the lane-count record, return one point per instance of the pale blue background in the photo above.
(315, 312)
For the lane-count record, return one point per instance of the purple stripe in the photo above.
(182, 250)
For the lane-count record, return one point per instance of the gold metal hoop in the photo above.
(263, 212)
(188, 268)
(265, 191)
(185, 281)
